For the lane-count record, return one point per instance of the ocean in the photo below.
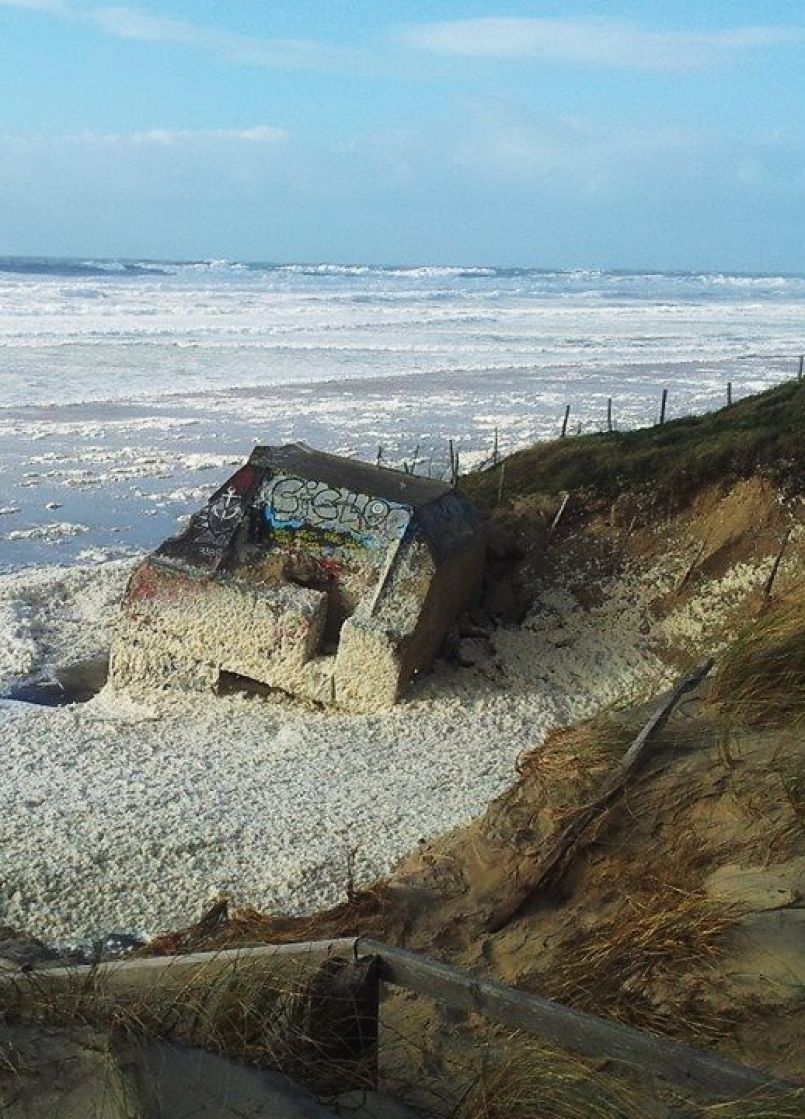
(130, 389)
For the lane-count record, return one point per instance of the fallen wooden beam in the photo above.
(705, 1074)
(561, 844)
(558, 516)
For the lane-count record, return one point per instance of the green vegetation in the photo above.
(761, 433)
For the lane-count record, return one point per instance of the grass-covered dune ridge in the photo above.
(760, 434)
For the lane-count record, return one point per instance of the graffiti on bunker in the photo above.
(292, 502)
(210, 531)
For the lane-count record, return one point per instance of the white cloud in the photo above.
(260, 134)
(123, 22)
(596, 42)
(501, 144)
(131, 23)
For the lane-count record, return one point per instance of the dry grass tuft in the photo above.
(793, 779)
(760, 679)
(288, 1017)
(651, 963)
(366, 913)
(524, 1080)
(570, 764)
(757, 1107)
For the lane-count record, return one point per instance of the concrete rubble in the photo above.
(328, 578)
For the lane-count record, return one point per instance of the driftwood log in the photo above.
(561, 844)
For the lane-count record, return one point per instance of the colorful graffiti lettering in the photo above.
(292, 502)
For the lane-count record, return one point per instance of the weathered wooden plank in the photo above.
(700, 1072)
(695, 1070)
(559, 514)
(558, 847)
(142, 974)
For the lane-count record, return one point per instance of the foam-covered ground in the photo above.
(130, 396)
(132, 817)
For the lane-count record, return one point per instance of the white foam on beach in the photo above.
(113, 378)
(53, 531)
(132, 816)
(55, 616)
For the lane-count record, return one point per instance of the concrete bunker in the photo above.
(326, 577)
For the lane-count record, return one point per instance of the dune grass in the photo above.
(572, 761)
(528, 1079)
(649, 962)
(280, 1015)
(760, 680)
(757, 1107)
(525, 1079)
(365, 912)
(759, 434)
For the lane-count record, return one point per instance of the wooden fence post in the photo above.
(767, 586)
(801, 363)
(500, 482)
(609, 413)
(564, 422)
(729, 393)
(662, 406)
(454, 464)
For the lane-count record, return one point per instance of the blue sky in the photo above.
(612, 134)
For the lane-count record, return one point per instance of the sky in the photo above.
(663, 134)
